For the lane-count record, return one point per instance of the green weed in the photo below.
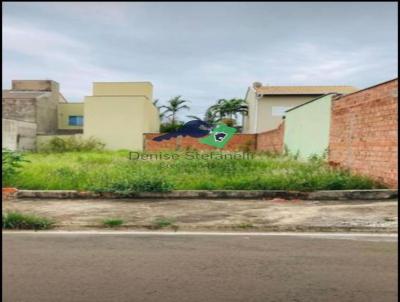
(20, 221)
(112, 223)
(245, 226)
(106, 171)
(163, 222)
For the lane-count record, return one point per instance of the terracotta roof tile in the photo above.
(285, 90)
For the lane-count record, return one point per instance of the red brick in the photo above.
(363, 134)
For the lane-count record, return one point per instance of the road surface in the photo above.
(86, 267)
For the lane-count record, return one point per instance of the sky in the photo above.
(201, 51)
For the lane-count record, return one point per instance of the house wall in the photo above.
(118, 121)
(18, 135)
(123, 89)
(69, 109)
(364, 132)
(19, 123)
(41, 109)
(46, 112)
(267, 118)
(152, 123)
(307, 128)
(119, 113)
(272, 140)
(19, 109)
(249, 120)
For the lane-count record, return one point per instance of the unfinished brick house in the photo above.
(29, 108)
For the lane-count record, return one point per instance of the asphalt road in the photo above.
(137, 267)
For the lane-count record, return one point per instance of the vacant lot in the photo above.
(263, 215)
(115, 172)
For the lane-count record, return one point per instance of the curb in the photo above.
(380, 194)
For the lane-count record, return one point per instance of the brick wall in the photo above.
(271, 140)
(239, 142)
(363, 134)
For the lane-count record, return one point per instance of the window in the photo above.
(75, 120)
(279, 111)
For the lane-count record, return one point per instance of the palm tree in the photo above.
(194, 117)
(155, 103)
(209, 117)
(228, 109)
(175, 105)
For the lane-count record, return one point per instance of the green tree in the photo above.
(228, 110)
(156, 104)
(174, 105)
(209, 117)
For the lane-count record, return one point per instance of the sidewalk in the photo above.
(217, 215)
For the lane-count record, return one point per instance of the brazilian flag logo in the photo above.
(219, 136)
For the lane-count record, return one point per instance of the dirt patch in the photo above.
(216, 214)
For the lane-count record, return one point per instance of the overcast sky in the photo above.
(202, 51)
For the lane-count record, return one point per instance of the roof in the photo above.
(304, 90)
(14, 94)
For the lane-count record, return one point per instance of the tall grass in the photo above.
(22, 221)
(113, 171)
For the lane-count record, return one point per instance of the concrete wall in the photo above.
(307, 127)
(65, 110)
(35, 85)
(19, 125)
(19, 109)
(33, 101)
(272, 140)
(46, 113)
(18, 135)
(364, 132)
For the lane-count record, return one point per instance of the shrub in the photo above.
(170, 127)
(20, 221)
(112, 223)
(127, 187)
(11, 163)
(72, 143)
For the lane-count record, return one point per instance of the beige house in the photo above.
(70, 117)
(117, 113)
(267, 104)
